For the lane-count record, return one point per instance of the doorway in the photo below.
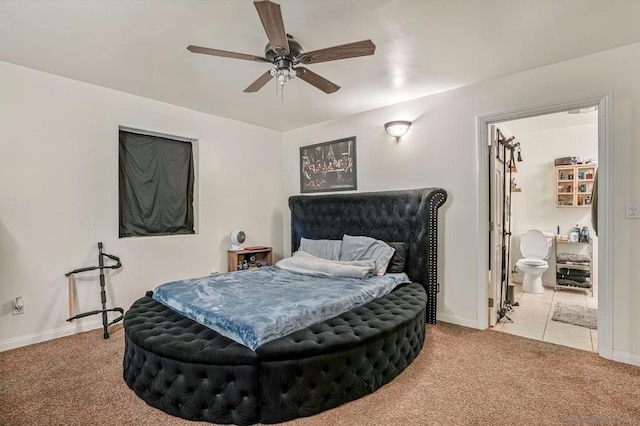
(503, 295)
(552, 290)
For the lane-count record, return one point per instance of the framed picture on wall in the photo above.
(329, 166)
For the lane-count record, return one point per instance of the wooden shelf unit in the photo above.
(574, 184)
(262, 254)
(575, 247)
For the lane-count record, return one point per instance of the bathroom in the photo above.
(538, 202)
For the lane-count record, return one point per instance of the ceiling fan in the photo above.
(286, 54)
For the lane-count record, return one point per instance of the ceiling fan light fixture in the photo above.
(282, 75)
(397, 128)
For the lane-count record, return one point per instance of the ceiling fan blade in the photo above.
(315, 80)
(344, 51)
(271, 18)
(225, 54)
(259, 83)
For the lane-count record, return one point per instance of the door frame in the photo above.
(604, 103)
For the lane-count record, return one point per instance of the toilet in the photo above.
(535, 247)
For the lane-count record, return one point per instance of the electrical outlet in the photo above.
(18, 306)
(632, 211)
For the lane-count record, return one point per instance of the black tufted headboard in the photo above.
(410, 216)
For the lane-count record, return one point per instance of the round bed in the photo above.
(188, 370)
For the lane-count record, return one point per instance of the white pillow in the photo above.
(366, 248)
(325, 249)
(383, 270)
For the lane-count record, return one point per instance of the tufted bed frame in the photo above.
(188, 370)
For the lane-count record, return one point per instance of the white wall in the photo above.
(59, 197)
(58, 190)
(535, 207)
(441, 150)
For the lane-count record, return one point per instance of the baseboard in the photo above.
(30, 339)
(626, 357)
(453, 319)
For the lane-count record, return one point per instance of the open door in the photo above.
(500, 162)
(495, 226)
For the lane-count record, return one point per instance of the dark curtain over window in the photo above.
(156, 186)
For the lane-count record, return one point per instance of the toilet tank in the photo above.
(549, 236)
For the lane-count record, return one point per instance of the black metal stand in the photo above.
(103, 294)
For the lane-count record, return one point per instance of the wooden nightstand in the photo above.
(262, 254)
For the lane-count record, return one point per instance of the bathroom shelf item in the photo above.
(574, 184)
(565, 247)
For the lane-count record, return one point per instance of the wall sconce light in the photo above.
(397, 129)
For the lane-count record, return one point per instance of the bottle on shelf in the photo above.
(585, 236)
(574, 235)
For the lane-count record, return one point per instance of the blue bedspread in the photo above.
(257, 306)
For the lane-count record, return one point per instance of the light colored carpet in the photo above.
(462, 377)
(576, 315)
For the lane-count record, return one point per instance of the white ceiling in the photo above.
(423, 47)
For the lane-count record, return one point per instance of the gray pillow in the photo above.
(366, 248)
(399, 260)
(325, 249)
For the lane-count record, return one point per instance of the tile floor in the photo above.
(532, 318)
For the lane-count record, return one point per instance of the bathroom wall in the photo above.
(534, 207)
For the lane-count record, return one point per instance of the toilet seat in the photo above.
(533, 262)
(534, 245)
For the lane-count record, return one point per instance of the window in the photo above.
(156, 180)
